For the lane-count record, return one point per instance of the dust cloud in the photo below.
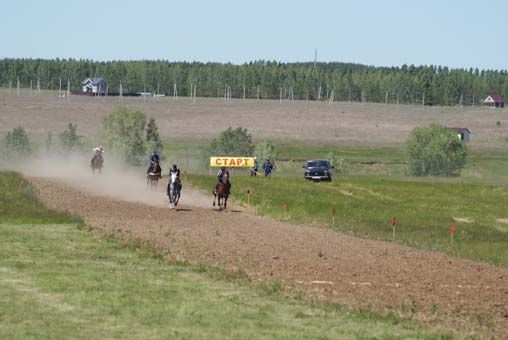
(116, 180)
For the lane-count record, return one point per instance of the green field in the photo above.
(365, 207)
(60, 281)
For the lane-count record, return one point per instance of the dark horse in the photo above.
(222, 193)
(97, 163)
(174, 189)
(153, 175)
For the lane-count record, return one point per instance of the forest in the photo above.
(326, 81)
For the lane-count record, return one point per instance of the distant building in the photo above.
(96, 86)
(463, 133)
(493, 100)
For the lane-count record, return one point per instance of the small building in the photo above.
(463, 133)
(96, 86)
(493, 100)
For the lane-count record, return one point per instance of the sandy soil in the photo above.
(353, 124)
(441, 291)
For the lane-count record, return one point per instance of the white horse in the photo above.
(174, 188)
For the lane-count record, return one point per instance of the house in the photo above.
(96, 86)
(463, 133)
(493, 100)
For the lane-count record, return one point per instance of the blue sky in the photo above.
(392, 32)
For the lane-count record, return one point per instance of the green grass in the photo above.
(365, 206)
(19, 204)
(58, 281)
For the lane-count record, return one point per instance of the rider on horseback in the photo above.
(99, 152)
(154, 166)
(155, 157)
(175, 170)
(220, 177)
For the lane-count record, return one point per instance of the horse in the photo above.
(174, 188)
(97, 162)
(153, 175)
(222, 193)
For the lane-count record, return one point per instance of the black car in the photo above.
(318, 170)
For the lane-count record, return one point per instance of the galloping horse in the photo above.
(97, 163)
(153, 175)
(174, 188)
(222, 193)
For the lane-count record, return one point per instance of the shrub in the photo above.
(435, 150)
(152, 136)
(340, 166)
(17, 143)
(265, 150)
(123, 133)
(237, 142)
(69, 138)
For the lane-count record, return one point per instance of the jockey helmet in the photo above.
(174, 166)
(223, 168)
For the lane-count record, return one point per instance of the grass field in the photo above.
(365, 207)
(59, 281)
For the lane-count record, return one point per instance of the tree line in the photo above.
(332, 81)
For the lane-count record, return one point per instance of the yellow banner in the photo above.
(232, 162)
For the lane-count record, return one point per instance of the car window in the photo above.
(314, 164)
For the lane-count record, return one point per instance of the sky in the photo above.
(453, 33)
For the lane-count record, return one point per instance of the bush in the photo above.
(152, 137)
(340, 166)
(435, 150)
(237, 142)
(123, 133)
(17, 144)
(69, 139)
(265, 150)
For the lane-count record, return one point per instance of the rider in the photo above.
(220, 177)
(175, 170)
(268, 166)
(154, 158)
(99, 152)
(255, 167)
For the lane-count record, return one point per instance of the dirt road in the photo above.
(442, 291)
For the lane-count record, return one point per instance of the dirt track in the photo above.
(442, 291)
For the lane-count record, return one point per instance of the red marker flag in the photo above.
(394, 220)
(452, 228)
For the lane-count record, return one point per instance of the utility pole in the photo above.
(258, 93)
(60, 91)
(10, 87)
(17, 90)
(243, 91)
(69, 88)
(120, 93)
(38, 86)
(30, 87)
(175, 92)
(386, 97)
(423, 100)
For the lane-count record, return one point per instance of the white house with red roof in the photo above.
(493, 100)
